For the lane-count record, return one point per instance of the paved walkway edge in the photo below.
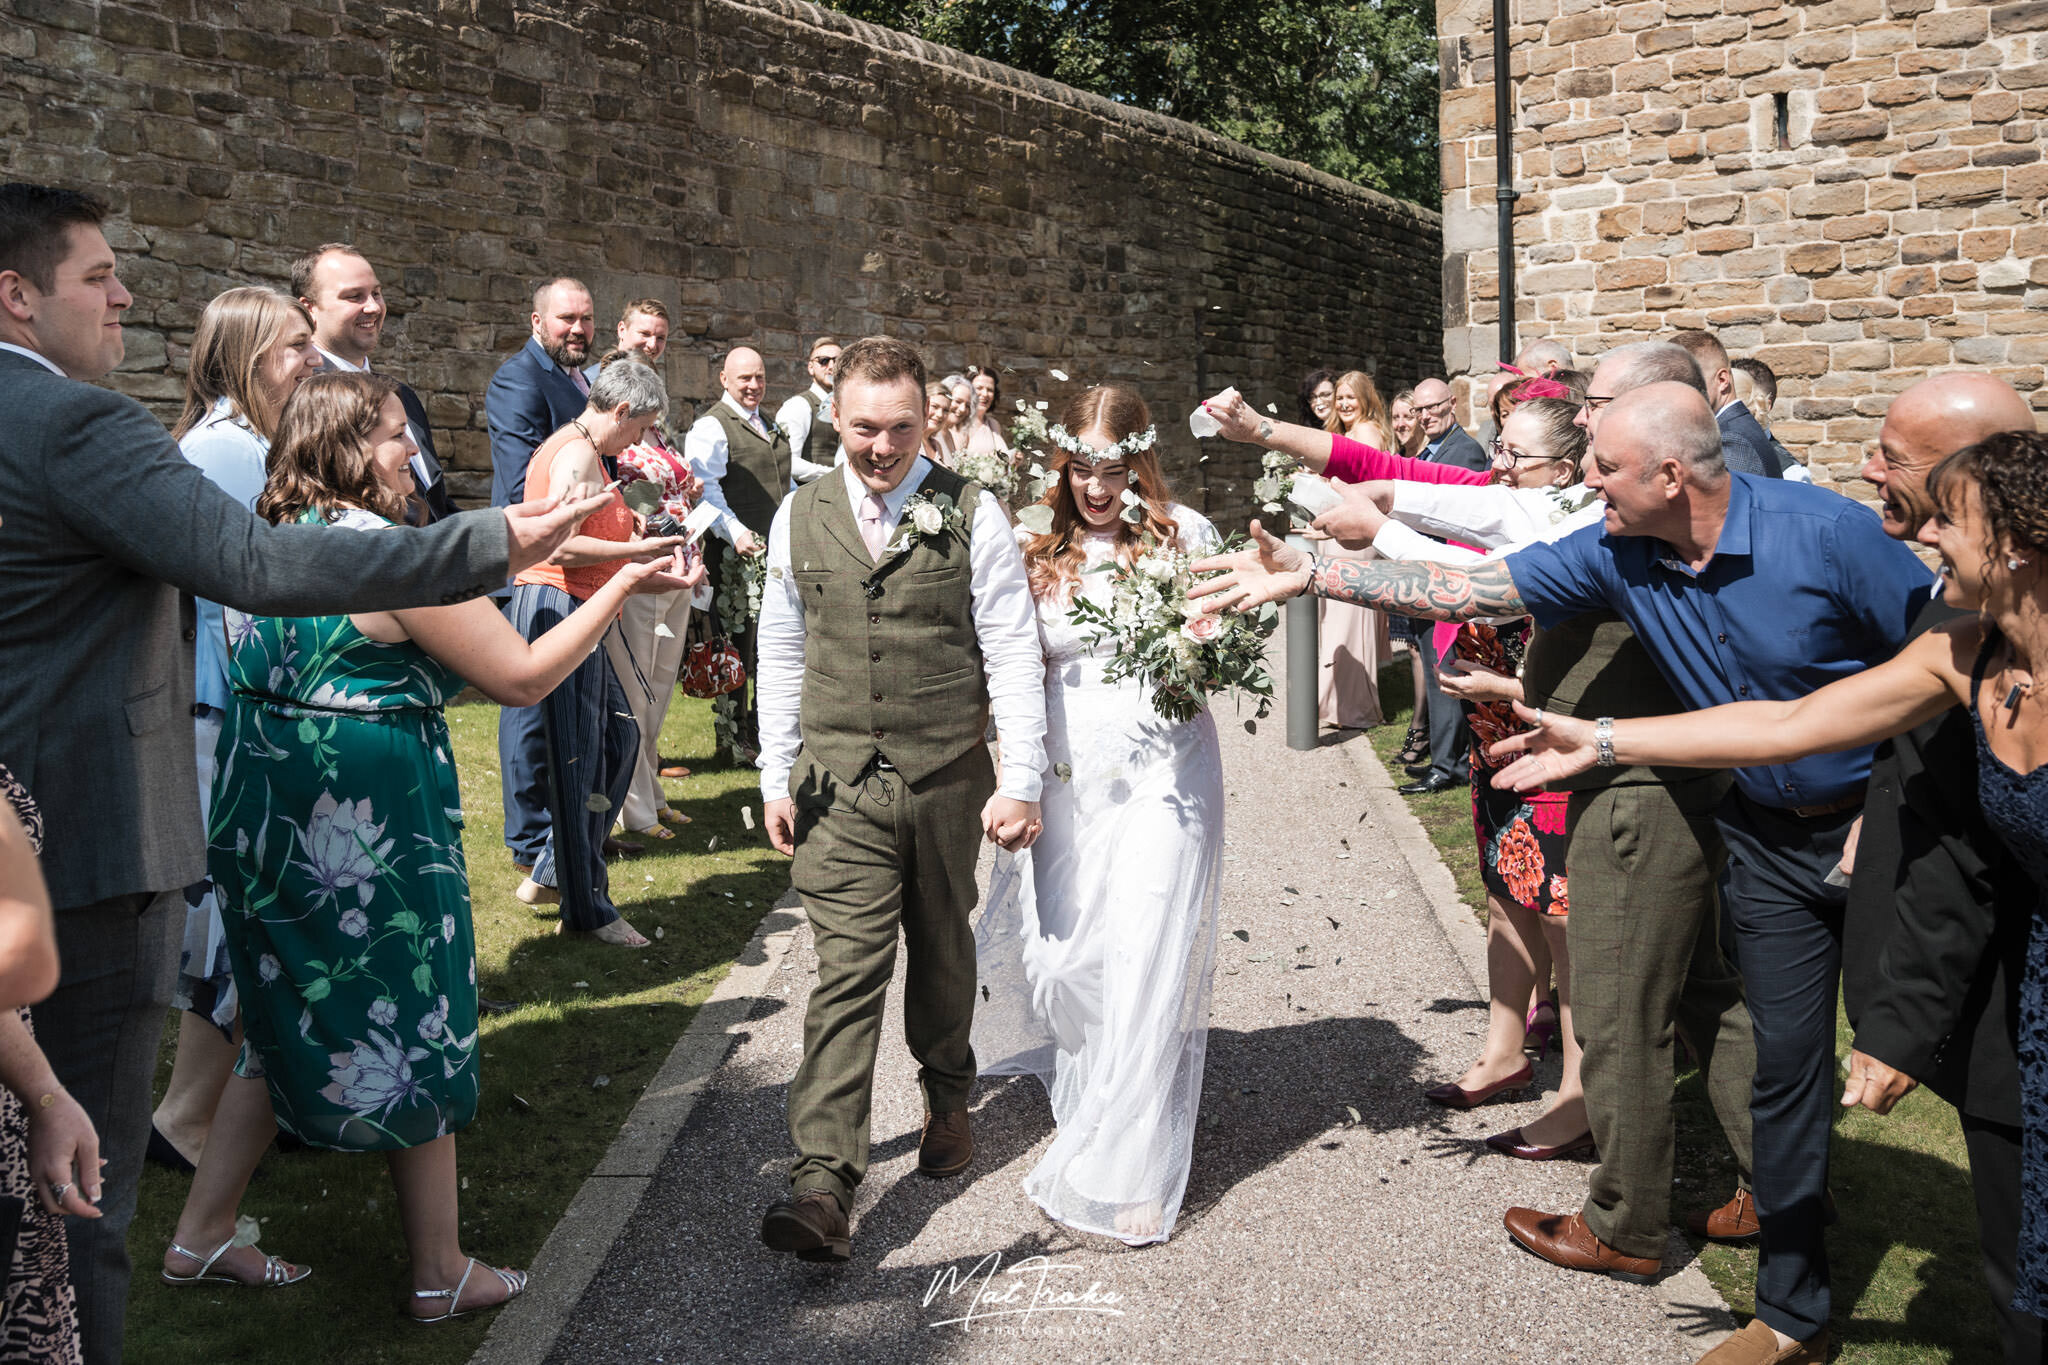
(1695, 1308)
(525, 1332)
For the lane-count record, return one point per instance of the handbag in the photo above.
(711, 666)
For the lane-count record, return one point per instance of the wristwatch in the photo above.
(1265, 428)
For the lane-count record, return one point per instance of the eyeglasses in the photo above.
(828, 361)
(1503, 451)
(1443, 406)
(1592, 401)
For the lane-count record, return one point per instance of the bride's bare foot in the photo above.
(1138, 1222)
(618, 933)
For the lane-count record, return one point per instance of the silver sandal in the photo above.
(276, 1273)
(515, 1285)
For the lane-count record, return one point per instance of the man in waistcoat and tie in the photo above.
(743, 459)
(897, 617)
(806, 418)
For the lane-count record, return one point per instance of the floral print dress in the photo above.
(1521, 836)
(335, 842)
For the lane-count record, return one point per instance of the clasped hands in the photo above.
(1005, 822)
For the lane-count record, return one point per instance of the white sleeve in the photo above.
(1006, 624)
(779, 664)
(704, 452)
(1486, 515)
(1396, 541)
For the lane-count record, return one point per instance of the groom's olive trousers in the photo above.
(1647, 964)
(870, 857)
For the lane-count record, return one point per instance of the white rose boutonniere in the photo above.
(927, 516)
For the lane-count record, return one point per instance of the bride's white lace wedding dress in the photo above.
(1097, 945)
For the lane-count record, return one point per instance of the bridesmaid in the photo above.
(335, 842)
(1352, 642)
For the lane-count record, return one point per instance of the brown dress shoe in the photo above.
(947, 1145)
(1734, 1221)
(811, 1224)
(1757, 1344)
(1565, 1240)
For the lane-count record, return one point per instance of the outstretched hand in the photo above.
(668, 571)
(1267, 570)
(1234, 417)
(535, 530)
(1477, 682)
(1552, 748)
(1354, 522)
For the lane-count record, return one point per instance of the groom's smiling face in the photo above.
(882, 428)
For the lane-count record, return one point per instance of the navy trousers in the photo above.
(522, 763)
(590, 739)
(1450, 734)
(1786, 924)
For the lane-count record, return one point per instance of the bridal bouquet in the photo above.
(1275, 482)
(1028, 432)
(1186, 653)
(989, 468)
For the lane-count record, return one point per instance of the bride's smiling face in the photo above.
(1098, 488)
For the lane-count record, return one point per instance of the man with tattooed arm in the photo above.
(1740, 588)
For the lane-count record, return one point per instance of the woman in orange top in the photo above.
(587, 726)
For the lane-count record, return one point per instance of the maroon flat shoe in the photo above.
(1451, 1095)
(1511, 1144)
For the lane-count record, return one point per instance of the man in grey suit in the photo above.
(105, 533)
(1745, 449)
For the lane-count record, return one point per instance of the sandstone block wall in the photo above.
(1850, 190)
(770, 169)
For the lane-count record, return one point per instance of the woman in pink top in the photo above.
(1352, 642)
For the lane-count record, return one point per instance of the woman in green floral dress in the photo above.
(335, 842)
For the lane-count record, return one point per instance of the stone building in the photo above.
(770, 169)
(1851, 191)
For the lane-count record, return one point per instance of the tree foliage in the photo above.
(1350, 88)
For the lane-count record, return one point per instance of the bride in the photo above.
(1096, 948)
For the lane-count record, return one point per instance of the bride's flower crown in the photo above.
(1130, 445)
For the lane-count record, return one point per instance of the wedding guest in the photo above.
(1744, 444)
(1443, 440)
(341, 293)
(252, 349)
(1093, 964)
(592, 741)
(807, 417)
(1818, 594)
(960, 414)
(984, 432)
(49, 1154)
(97, 651)
(538, 389)
(1756, 388)
(1934, 939)
(1351, 642)
(360, 1010)
(938, 406)
(743, 461)
(28, 935)
(1544, 357)
(1446, 767)
(1312, 400)
(1989, 526)
(646, 650)
(1404, 424)
(941, 657)
(1645, 958)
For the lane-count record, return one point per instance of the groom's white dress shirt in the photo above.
(794, 417)
(1005, 624)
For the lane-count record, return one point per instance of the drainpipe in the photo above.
(1504, 195)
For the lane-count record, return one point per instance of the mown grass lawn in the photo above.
(560, 1072)
(1907, 1278)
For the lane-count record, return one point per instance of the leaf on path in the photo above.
(1354, 1114)
(712, 847)
(1242, 936)
(1251, 727)
(984, 992)
(1333, 922)
(1260, 957)
(1290, 891)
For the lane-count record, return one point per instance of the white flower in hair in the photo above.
(1132, 444)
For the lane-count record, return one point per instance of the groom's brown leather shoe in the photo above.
(811, 1224)
(1565, 1240)
(947, 1145)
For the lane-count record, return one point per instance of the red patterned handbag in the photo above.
(711, 666)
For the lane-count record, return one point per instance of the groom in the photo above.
(897, 614)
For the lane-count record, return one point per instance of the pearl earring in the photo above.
(2015, 564)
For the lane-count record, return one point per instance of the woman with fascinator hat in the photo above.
(1095, 958)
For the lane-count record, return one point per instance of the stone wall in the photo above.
(770, 169)
(1851, 191)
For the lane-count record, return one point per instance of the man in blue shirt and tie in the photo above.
(1741, 588)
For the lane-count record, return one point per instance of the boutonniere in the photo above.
(926, 516)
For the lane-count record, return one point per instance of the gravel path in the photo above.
(1331, 1211)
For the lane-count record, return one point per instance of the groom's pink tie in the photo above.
(874, 526)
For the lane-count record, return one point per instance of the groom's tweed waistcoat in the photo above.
(756, 470)
(896, 674)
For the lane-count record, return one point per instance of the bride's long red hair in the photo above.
(1055, 558)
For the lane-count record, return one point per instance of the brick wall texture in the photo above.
(1851, 191)
(771, 170)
